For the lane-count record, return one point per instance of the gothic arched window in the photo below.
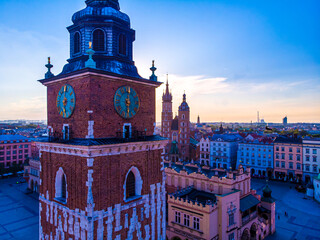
(131, 185)
(76, 43)
(98, 40)
(122, 44)
(61, 186)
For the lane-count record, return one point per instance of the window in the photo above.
(65, 132)
(298, 157)
(231, 236)
(277, 156)
(133, 184)
(307, 150)
(308, 158)
(76, 43)
(61, 186)
(130, 185)
(290, 157)
(314, 158)
(277, 148)
(290, 149)
(291, 165)
(178, 217)
(283, 156)
(196, 223)
(314, 168)
(298, 166)
(283, 164)
(122, 44)
(231, 219)
(307, 168)
(314, 151)
(298, 150)
(282, 149)
(25, 146)
(186, 220)
(98, 40)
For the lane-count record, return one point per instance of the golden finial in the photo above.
(90, 45)
(49, 60)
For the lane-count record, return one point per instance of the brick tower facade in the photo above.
(177, 129)
(184, 129)
(101, 174)
(166, 115)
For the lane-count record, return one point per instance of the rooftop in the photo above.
(8, 138)
(248, 202)
(194, 168)
(196, 196)
(103, 141)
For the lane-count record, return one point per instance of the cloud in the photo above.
(26, 108)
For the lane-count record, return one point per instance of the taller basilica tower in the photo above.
(101, 174)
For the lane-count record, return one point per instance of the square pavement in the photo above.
(302, 222)
(19, 212)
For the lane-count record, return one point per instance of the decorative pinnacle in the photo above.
(49, 74)
(90, 63)
(153, 77)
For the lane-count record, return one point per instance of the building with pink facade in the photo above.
(205, 203)
(32, 169)
(14, 150)
(288, 158)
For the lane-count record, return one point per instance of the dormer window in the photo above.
(76, 43)
(122, 44)
(98, 40)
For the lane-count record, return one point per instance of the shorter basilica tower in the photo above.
(184, 129)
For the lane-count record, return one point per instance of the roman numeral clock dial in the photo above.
(126, 102)
(66, 101)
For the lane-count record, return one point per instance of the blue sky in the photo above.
(232, 57)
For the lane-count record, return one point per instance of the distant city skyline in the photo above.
(231, 58)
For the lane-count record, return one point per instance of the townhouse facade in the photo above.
(311, 158)
(15, 150)
(223, 150)
(258, 155)
(288, 158)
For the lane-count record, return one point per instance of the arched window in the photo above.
(61, 186)
(76, 43)
(122, 44)
(131, 185)
(98, 40)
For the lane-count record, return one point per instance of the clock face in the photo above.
(66, 101)
(126, 102)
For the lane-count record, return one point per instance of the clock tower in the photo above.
(101, 167)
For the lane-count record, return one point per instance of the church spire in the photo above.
(167, 96)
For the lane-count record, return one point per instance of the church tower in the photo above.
(184, 129)
(101, 174)
(166, 116)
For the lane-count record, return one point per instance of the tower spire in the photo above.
(104, 3)
(49, 74)
(153, 77)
